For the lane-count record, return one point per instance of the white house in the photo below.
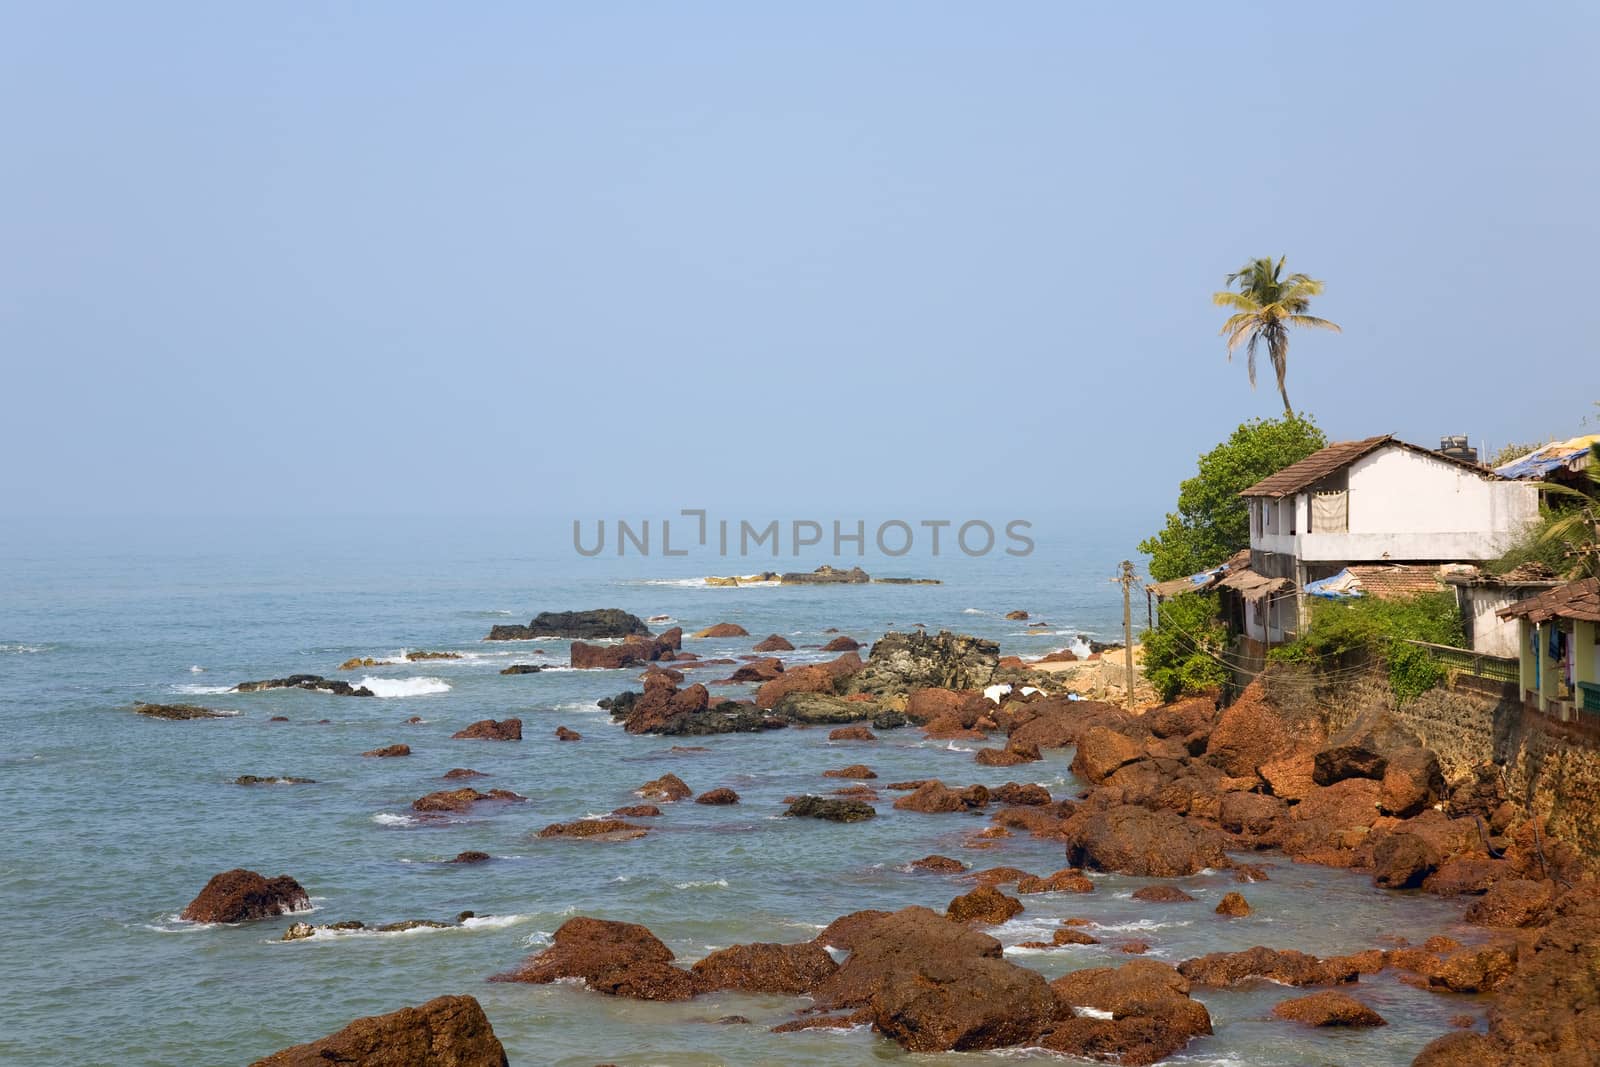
(1369, 503)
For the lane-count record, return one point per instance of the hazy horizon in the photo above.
(907, 259)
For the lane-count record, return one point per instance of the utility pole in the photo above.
(1126, 580)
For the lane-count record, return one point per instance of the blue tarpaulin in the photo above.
(1341, 586)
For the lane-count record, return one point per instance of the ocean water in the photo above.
(114, 821)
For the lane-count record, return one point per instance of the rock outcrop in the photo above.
(1134, 840)
(448, 1031)
(239, 895)
(900, 662)
(615, 958)
(596, 624)
(177, 712)
(490, 730)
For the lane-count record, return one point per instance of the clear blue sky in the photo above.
(910, 257)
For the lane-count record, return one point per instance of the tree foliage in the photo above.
(1183, 653)
(1212, 521)
(1265, 306)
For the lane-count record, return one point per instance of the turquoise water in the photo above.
(115, 821)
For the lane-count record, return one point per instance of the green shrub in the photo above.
(1183, 653)
(1342, 632)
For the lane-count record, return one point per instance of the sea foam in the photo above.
(404, 687)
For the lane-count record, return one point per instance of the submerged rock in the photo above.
(282, 779)
(389, 751)
(1328, 1008)
(314, 683)
(460, 800)
(239, 895)
(177, 712)
(448, 1031)
(834, 810)
(564, 734)
(522, 668)
(595, 829)
(722, 795)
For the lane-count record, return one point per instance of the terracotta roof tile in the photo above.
(1395, 581)
(1335, 457)
(1575, 600)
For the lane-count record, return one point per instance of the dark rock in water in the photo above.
(761, 670)
(459, 800)
(463, 772)
(985, 905)
(598, 829)
(826, 575)
(663, 709)
(1288, 967)
(909, 581)
(564, 734)
(766, 968)
(389, 751)
(842, 644)
(636, 811)
(282, 779)
(472, 857)
(889, 720)
(933, 985)
(824, 678)
(490, 730)
(1133, 840)
(822, 709)
(1144, 1013)
(814, 807)
(239, 895)
(721, 795)
(631, 650)
(1162, 894)
(412, 924)
(939, 865)
(724, 629)
(900, 662)
(615, 958)
(668, 787)
(856, 771)
(1233, 905)
(599, 623)
(522, 668)
(314, 683)
(852, 733)
(773, 643)
(1328, 1008)
(444, 1032)
(177, 712)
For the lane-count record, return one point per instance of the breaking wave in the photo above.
(405, 687)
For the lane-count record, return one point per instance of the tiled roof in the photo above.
(1335, 457)
(1395, 581)
(1575, 600)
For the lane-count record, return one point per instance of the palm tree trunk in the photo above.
(1287, 410)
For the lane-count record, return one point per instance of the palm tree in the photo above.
(1265, 306)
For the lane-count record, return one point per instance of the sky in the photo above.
(825, 258)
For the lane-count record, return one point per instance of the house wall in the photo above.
(1407, 506)
(1486, 631)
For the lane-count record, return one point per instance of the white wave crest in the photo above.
(384, 818)
(404, 687)
(720, 883)
(192, 689)
(18, 648)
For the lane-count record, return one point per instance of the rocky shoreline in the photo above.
(1172, 790)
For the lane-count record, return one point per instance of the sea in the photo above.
(114, 821)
